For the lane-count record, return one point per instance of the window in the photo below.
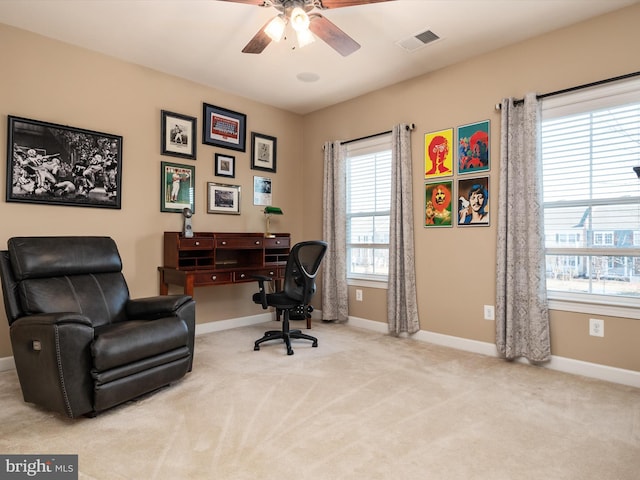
(590, 146)
(368, 208)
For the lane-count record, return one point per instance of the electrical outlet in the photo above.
(359, 295)
(489, 312)
(596, 327)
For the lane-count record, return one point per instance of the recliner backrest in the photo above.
(66, 274)
(302, 268)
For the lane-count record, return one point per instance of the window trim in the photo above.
(623, 92)
(367, 146)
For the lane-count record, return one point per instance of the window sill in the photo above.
(607, 309)
(360, 282)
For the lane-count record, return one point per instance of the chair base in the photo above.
(286, 337)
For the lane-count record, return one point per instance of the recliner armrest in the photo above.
(53, 361)
(46, 319)
(155, 307)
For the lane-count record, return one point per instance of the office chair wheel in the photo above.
(256, 347)
(289, 351)
(314, 344)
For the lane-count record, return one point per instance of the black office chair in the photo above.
(299, 286)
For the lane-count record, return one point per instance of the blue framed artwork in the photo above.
(473, 147)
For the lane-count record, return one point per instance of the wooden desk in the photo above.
(210, 258)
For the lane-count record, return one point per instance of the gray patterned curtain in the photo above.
(335, 304)
(402, 306)
(522, 315)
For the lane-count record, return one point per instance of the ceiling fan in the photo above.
(303, 17)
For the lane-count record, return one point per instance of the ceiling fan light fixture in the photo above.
(275, 28)
(305, 37)
(299, 19)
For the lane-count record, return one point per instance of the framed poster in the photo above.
(224, 128)
(261, 191)
(178, 133)
(177, 184)
(438, 154)
(437, 204)
(223, 198)
(225, 165)
(473, 147)
(60, 165)
(263, 152)
(473, 201)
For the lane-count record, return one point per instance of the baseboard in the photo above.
(204, 328)
(561, 364)
(7, 363)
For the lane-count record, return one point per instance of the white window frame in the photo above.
(378, 144)
(588, 100)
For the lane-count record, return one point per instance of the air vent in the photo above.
(418, 40)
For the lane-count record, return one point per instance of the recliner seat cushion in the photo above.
(121, 343)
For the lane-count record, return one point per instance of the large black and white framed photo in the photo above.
(178, 135)
(61, 165)
(263, 152)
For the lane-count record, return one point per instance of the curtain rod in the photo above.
(578, 87)
(411, 126)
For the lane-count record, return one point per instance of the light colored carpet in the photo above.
(360, 406)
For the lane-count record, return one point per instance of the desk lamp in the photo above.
(268, 211)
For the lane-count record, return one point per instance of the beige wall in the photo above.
(456, 267)
(50, 81)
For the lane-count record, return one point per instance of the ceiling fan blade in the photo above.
(346, 3)
(332, 35)
(259, 42)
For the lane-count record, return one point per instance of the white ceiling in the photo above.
(201, 40)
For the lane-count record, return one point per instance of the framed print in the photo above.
(223, 198)
(178, 135)
(225, 165)
(224, 128)
(473, 147)
(177, 187)
(473, 201)
(61, 165)
(263, 152)
(437, 204)
(261, 191)
(438, 154)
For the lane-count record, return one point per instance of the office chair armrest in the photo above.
(262, 294)
(262, 278)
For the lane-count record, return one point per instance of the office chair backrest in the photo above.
(302, 268)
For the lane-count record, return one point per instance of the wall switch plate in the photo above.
(596, 327)
(489, 312)
(359, 295)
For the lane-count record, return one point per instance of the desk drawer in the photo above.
(278, 242)
(196, 243)
(244, 276)
(240, 242)
(212, 278)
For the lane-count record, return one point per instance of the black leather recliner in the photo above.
(80, 344)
